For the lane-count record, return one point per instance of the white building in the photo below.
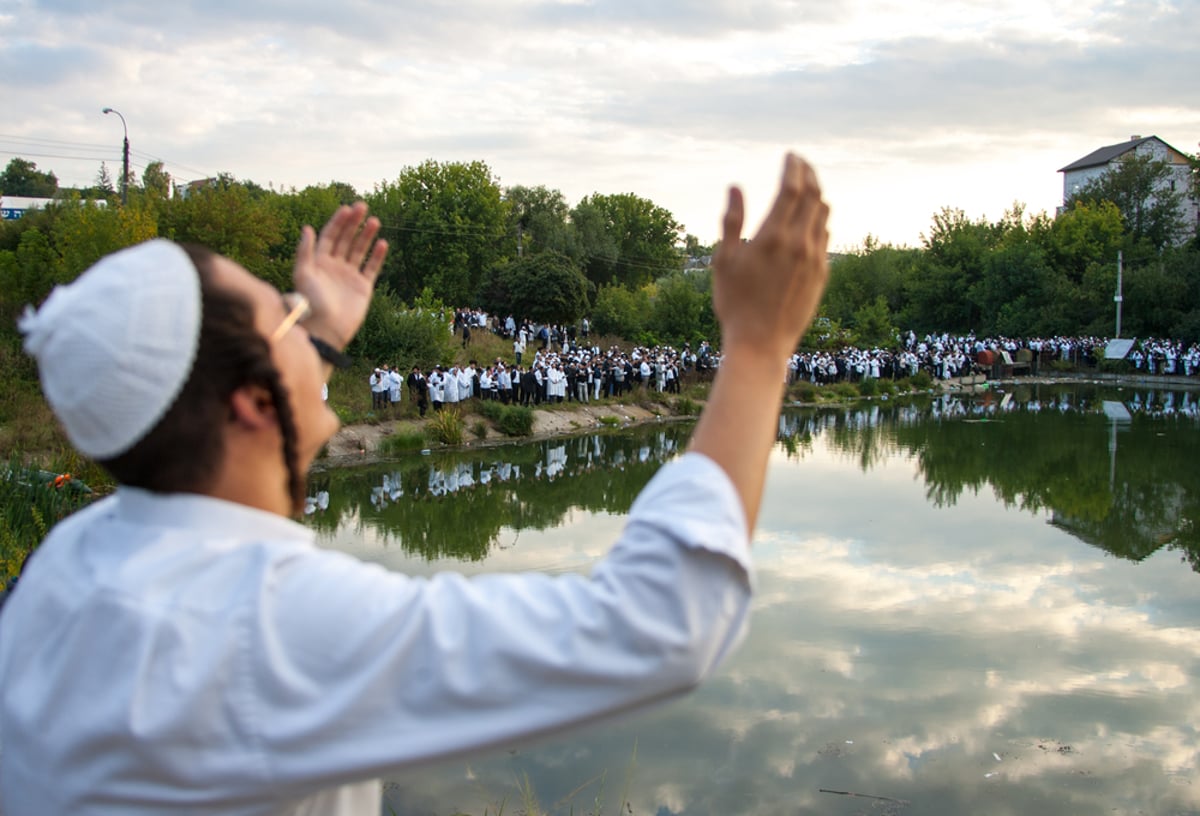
(1079, 173)
(13, 207)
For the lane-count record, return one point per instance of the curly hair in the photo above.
(183, 452)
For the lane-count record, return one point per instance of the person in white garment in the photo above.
(395, 380)
(182, 646)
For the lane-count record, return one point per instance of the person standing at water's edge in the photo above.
(182, 646)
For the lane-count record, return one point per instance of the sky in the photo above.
(903, 107)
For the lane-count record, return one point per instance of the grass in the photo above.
(446, 426)
(31, 502)
(401, 442)
(686, 406)
(516, 420)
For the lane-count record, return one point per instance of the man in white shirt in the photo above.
(380, 383)
(394, 383)
(182, 646)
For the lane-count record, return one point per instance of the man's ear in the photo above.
(251, 407)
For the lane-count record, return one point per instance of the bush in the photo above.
(516, 420)
(446, 427)
(845, 390)
(921, 380)
(610, 421)
(31, 502)
(401, 442)
(480, 429)
(490, 409)
(686, 407)
(804, 391)
(869, 387)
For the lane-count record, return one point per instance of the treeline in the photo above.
(457, 238)
(1036, 275)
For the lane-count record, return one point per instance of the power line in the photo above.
(36, 140)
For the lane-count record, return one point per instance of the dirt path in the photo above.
(360, 443)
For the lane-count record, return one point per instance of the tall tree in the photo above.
(231, 219)
(546, 286)
(952, 263)
(538, 218)
(1140, 186)
(22, 178)
(156, 181)
(446, 223)
(103, 188)
(626, 239)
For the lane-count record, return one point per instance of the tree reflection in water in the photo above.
(1128, 488)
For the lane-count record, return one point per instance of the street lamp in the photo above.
(124, 158)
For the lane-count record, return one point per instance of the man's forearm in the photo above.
(737, 428)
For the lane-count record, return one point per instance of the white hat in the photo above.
(115, 347)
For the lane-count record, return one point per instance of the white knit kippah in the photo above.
(115, 347)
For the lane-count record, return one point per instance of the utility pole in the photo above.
(1119, 298)
(124, 158)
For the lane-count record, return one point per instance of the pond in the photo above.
(970, 604)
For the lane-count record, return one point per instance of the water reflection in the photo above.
(458, 505)
(1043, 447)
(940, 621)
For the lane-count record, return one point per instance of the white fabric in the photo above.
(183, 654)
(115, 347)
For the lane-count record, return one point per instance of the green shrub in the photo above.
(921, 380)
(516, 420)
(480, 429)
(446, 426)
(845, 390)
(610, 420)
(869, 387)
(685, 406)
(401, 442)
(490, 409)
(30, 504)
(887, 387)
(804, 391)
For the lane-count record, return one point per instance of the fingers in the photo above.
(349, 235)
(331, 234)
(375, 262)
(363, 241)
(791, 186)
(307, 246)
(811, 212)
(735, 216)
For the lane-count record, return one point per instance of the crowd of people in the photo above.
(563, 368)
(945, 356)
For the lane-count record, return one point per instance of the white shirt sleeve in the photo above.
(356, 670)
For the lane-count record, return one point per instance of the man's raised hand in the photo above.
(766, 292)
(336, 271)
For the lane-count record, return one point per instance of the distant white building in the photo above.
(13, 207)
(1080, 172)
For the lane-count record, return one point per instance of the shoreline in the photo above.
(358, 443)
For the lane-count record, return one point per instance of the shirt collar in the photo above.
(205, 514)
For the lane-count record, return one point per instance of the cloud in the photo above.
(671, 100)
